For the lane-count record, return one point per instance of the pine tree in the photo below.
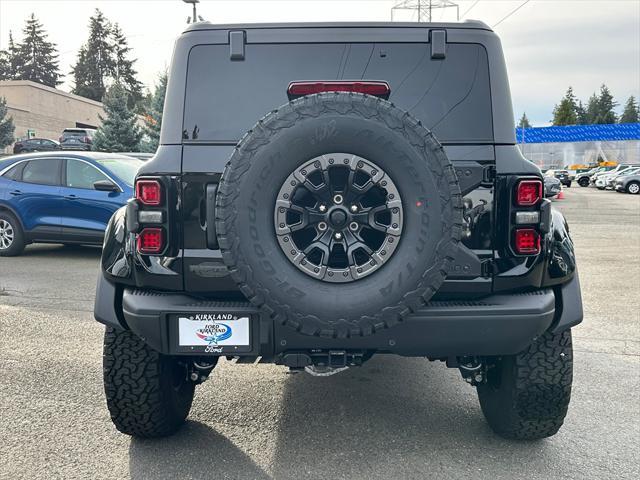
(37, 57)
(9, 60)
(119, 131)
(630, 114)
(524, 121)
(581, 114)
(95, 64)
(124, 72)
(153, 118)
(6, 125)
(565, 113)
(592, 109)
(606, 106)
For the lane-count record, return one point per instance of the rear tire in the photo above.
(583, 182)
(527, 395)
(633, 188)
(148, 394)
(11, 236)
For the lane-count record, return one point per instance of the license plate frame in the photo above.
(219, 333)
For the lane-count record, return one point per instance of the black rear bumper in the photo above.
(495, 325)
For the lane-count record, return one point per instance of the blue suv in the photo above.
(61, 197)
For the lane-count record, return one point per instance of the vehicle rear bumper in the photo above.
(494, 325)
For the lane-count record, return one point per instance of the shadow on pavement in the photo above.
(392, 418)
(196, 451)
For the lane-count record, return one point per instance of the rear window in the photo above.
(76, 133)
(226, 98)
(125, 169)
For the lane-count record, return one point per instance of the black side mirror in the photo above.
(106, 186)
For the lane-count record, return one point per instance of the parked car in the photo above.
(77, 139)
(61, 197)
(552, 186)
(35, 145)
(600, 183)
(313, 224)
(583, 178)
(610, 180)
(628, 183)
(562, 175)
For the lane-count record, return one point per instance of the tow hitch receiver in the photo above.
(321, 363)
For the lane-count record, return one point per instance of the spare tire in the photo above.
(338, 214)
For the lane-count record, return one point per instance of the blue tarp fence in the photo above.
(579, 133)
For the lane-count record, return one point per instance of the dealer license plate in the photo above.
(213, 331)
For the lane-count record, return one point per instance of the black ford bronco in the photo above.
(326, 192)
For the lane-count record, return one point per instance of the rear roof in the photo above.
(467, 24)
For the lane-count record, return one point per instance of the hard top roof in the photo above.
(467, 24)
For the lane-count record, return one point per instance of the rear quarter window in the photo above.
(226, 98)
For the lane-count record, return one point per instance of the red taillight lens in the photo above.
(149, 192)
(527, 241)
(528, 192)
(378, 89)
(150, 241)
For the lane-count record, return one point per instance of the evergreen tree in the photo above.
(37, 58)
(592, 109)
(630, 114)
(95, 64)
(565, 112)
(524, 121)
(9, 60)
(153, 118)
(581, 114)
(606, 106)
(119, 131)
(6, 125)
(124, 72)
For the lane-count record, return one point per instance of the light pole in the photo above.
(194, 19)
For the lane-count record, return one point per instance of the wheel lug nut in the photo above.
(354, 208)
(338, 236)
(322, 226)
(337, 199)
(353, 226)
(322, 208)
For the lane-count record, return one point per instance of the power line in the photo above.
(511, 13)
(469, 9)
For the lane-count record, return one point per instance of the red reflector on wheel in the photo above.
(150, 241)
(149, 192)
(528, 192)
(527, 241)
(377, 89)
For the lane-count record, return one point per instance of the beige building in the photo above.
(44, 112)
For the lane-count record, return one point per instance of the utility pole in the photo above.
(194, 18)
(424, 8)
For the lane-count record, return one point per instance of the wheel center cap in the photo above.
(338, 218)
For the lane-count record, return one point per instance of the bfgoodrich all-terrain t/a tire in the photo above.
(148, 394)
(527, 395)
(318, 135)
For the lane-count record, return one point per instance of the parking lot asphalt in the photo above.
(392, 418)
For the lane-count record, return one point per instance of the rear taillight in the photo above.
(150, 241)
(526, 241)
(375, 88)
(149, 192)
(86, 140)
(61, 139)
(528, 193)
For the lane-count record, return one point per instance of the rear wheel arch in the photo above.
(6, 208)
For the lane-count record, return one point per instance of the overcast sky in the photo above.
(549, 44)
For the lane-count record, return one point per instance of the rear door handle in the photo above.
(15, 192)
(70, 197)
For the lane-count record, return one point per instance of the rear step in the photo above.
(494, 325)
